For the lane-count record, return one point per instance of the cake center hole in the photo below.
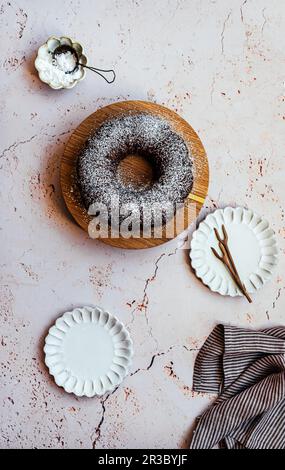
(136, 171)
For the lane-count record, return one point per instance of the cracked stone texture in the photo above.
(220, 64)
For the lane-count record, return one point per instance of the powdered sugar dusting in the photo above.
(66, 61)
(59, 70)
(143, 134)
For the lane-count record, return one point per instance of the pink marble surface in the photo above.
(220, 64)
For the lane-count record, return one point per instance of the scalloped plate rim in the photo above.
(128, 358)
(229, 292)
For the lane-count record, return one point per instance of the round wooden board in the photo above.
(71, 193)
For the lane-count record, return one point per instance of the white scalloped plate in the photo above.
(251, 242)
(88, 351)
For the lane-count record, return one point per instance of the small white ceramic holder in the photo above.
(44, 55)
(251, 242)
(88, 351)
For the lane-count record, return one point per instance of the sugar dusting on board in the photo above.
(143, 134)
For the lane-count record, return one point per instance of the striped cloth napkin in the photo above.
(247, 369)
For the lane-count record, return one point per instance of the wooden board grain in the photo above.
(70, 190)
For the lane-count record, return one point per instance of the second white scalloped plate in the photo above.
(251, 242)
(88, 351)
